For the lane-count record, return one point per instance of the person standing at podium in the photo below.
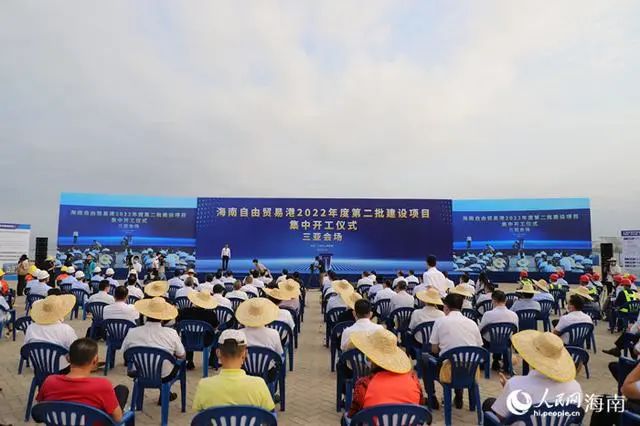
(225, 255)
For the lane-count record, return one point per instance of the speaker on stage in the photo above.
(42, 245)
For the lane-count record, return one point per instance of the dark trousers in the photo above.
(487, 404)
(430, 377)
(122, 394)
(620, 341)
(496, 357)
(554, 322)
(22, 282)
(225, 263)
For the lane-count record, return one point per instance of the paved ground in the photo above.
(310, 388)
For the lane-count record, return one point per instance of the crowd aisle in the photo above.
(310, 387)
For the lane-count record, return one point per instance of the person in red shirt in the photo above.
(392, 380)
(78, 386)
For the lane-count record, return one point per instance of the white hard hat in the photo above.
(71, 270)
(97, 270)
(43, 275)
(110, 271)
(79, 275)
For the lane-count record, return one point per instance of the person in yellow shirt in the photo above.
(232, 386)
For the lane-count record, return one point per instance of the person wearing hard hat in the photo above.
(80, 284)
(524, 279)
(109, 277)
(4, 286)
(70, 279)
(4, 290)
(62, 275)
(41, 286)
(97, 275)
(31, 277)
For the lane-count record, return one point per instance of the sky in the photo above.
(412, 99)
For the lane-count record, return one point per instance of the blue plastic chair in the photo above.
(499, 343)
(225, 317)
(579, 334)
(66, 288)
(398, 321)
(297, 321)
(580, 357)
(391, 415)
(528, 319)
(419, 344)
(558, 297)
(258, 363)
(471, 314)
(331, 319)
(511, 298)
(131, 300)
(625, 366)
(21, 324)
(115, 331)
(235, 415)
(363, 290)
(629, 317)
(96, 309)
(45, 360)
(31, 299)
(147, 363)
(192, 334)
(235, 302)
(545, 310)
(335, 340)
(629, 340)
(286, 339)
(382, 309)
(484, 306)
(59, 413)
(629, 418)
(544, 416)
(182, 302)
(172, 292)
(81, 297)
(355, 361)
(465, 361)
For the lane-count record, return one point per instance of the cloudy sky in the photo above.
(421, 99)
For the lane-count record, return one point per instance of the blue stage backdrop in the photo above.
(113, 227)
(360, 234)
(534, 234)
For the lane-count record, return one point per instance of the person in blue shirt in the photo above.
(525, 299)
(89, 266)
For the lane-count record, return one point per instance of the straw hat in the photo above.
(157, 308)
(280, 294)
(542, 285)
(582, 291)
(545, 352)
(52, 308)
(341, 286)
(257, 312)
(461, 290)
(156, 288)
(430, 296)
(527, 288)
(350, 299)
(203, 299)
(291, 286)
(381, 347)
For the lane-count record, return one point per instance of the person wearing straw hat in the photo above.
(462, 290)
(551, 378)
(401, 299)
(102, 295)
(232, 386)
(255, 314)
(543, 294)
(525, 298)
(391, 380)
(499, 314)
(293, 287)
(278, 296)
(248, 286)
(156, 289)
(153, 334)
(191, 273)
(201, 309)
(576, 303)
(362, 312)
(430, 311)
(41, 286)
(350, 299)
(339, 287)
(48, 315)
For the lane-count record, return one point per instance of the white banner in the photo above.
(14, 242)
(631, 251)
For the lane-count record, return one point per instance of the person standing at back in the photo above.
(22, 270)
(434, 278)
(225, 255)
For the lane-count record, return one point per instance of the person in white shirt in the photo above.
(552, 380)
(411, 278)
(450, 332)
(218, 289)
(525, 299)
(255, 314)
(434, 278)
(257, 282)
(191, 273)
(266, 278)
(225, 256)
(466, 283)
(188, 288)
(365, 279)
(282, 277)
(488, 290)
(176, 281)
(136, 265)
(109, 277)
(614, 269)
(48, 316)
(327, 279)
(41, 286)
(119, 309)
(430, 312)
(79, 283)
(97, 275)
(374, 290)
(277, 296)
(399, 277)
(227, 279)
(373, 276)
(449, 283)
(152, 334)
(207, 285)
(402, 299)
(385, 293)
(574, 316)
(362, 313)
(499, 313)
(248, 286)
(103, 294)
(237, 293)
(133, 290)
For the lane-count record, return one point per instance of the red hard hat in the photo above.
(625, 282)
(554, 277)
(584, 278)
(561, 273)
(524, 274)
(596, 276)
(617, 278)
(632, 278)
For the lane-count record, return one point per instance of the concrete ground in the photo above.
(310, 387)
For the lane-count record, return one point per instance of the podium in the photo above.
(325, 258)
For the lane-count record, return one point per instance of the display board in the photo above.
(14, 242)
(113, 228)
(533, 234)
(360, 234)
(630, 261)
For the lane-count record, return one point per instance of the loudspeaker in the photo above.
(42, 245)
(606, 253)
